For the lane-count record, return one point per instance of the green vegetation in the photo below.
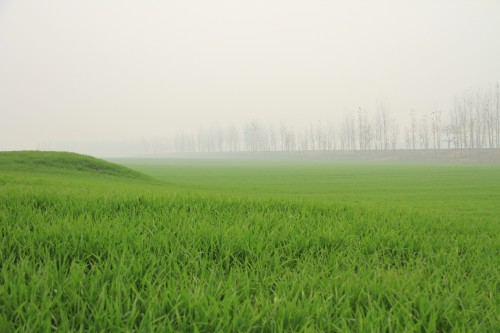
(49, 162)
(247, 246)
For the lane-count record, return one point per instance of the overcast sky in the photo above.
(97, 70)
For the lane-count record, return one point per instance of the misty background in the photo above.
(106, 77)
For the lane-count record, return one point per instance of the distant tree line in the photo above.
(472, 122)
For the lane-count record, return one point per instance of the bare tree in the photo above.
(232, 136)
(408, 140)
(436, 128)
(364, 130)
(379, 127)
(463, 123)
(347, 133)
(413, 128)
(394, 133)
(455, 125)
(424, 132)
(332, 145)
(497, 123)
(283, 133)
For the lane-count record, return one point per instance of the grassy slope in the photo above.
(61, 162)
(86, 250)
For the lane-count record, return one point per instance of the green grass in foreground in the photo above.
(214, 246)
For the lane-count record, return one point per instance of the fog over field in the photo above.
(129, 78)
(249, 166)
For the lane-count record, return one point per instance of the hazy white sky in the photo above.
(98, 70)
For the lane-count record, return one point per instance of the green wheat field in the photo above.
(159, 245)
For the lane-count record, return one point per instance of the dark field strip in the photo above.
(145, 259)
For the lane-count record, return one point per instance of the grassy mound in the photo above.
(44, 161)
